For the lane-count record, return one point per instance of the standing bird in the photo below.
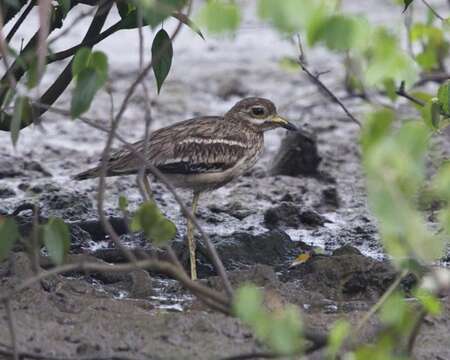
(203, 153)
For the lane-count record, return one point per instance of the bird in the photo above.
(201, 154)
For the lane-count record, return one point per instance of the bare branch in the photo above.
(19, 21)
(435, 13)
(402, 92)
(315, 79)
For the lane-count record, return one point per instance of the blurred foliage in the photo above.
(56, 238)
(90, 70)
(9, 234)
(156, 227)
(281, 329)
(394, 149)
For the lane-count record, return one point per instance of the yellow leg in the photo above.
(191, 239)
(147, 187)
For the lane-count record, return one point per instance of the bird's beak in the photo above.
(277, 119)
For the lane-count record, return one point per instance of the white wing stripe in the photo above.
(192, 140)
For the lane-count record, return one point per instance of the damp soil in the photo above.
(309, 195)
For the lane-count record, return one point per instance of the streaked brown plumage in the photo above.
(202, 153)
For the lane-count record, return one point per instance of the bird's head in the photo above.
(260, 113)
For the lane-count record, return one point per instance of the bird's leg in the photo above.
(148, 187)
(191, 239)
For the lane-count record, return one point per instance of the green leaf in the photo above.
(81, 60)
(444, 97)
(153, 12)
(280, 329)
(342, 33)
(219, 16)
(33, 74)
(188, 22)
(377, 126)
(17, 119)
(430, 302)
(248, 303)
(9, 234)
(56, 237)
(99, 61)
(84, 92)
(65, 6)
(123, 203)
(337, 335)
(157, 228)
(407, 3)
(388, 60)
(390, 88)
(394, 311)
(435, 114)
(162, 54)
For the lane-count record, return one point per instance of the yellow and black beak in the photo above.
(283, 123)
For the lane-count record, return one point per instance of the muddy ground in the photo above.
(259, 223)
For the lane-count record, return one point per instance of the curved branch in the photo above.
(64, 79)
(19, 21)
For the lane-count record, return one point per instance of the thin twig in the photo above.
(381, 301)
(12, 328)
(163, 267)
(19, 21)
(415, 331)
(435, 13)
(402, 92)
(44, 9)
(315, 79)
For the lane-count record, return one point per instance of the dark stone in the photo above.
(330, 197)
(141, 284)
(297, 155)
(9, 168)
(235, 209)
(345, 275)
(312, 218)
(66, 205)
(239, 250)
(37, 167)
(6, 192)
(289, 215)
(79, 238)
(285, 214)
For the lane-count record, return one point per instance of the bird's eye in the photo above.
(258, 111)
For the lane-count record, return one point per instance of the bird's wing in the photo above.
(201, 145)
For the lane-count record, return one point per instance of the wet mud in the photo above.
(307, 191)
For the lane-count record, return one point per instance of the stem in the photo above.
(19, 21)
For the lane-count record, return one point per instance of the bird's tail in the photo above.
(88, 174)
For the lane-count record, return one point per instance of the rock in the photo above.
(9, 168)
(311, 218)
(285, 214)
(66, 205)
(330, 197)
(6, 192)
(345, 275)
(79, 238)
(241, 250)
(297, 155)
(259, 275)
(235, 209)
(141, 284)
(288, 215)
